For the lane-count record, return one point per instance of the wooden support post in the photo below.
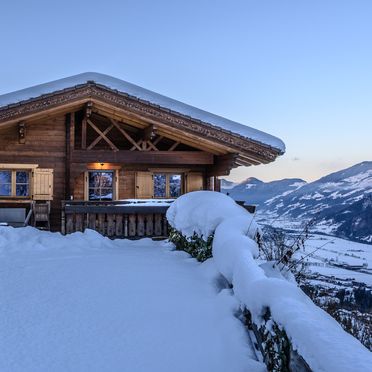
(158, 224)
(119, 225)
(92, 221)
(140, 225)
(149, 225)
(110, 224)
(132, 225)
(84, 134)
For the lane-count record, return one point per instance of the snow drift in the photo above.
(317, 337)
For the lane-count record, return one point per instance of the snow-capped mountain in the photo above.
(338, 202)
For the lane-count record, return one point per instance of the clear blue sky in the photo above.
(301, 70)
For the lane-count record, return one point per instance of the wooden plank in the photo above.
(113, 147)
(126, 225)
(110, 224)
(101, 223)
(92, 221)
(79, 222)
(140, 224)
(69, 223)
(144, 157)
(173, 147)
(158, 225)
(132, 225)
(149, 224)
(119, 231)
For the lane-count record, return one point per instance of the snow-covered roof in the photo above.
(145, 95)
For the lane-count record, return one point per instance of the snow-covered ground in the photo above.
(87, 303)
(338, 258)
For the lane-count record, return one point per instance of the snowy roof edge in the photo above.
(145, 95)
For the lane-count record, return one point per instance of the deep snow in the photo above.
(317, 337)
(86, 303)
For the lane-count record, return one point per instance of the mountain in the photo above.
(338, 202)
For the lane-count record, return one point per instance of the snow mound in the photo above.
(317, 337)
(201, 212)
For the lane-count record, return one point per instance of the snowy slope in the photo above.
(145, 95)
(86, 303)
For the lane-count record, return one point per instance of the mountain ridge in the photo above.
(326, 200)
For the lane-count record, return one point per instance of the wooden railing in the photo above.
(115, 219)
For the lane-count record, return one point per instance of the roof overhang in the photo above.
(241, 150)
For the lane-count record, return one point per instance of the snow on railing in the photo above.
(314, 334)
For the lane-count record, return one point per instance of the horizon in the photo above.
(227, 178)
(300, 72)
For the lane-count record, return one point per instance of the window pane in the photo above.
(22, 190)
(106, 194)
(101, 185)
(175, 185)
(5, 177)
(5, 189)
(160, 181)
(22, 177)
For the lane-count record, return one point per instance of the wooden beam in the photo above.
(149, 132)
(172, 148)
(84, 133)
(152, 146)
(99, 137)
(125, 134)
(143, 157)
(113, 147)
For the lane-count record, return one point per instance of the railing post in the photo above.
(63, 219)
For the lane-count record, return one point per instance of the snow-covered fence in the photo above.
(314, 334)
(116, 218)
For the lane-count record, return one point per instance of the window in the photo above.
(15, 183)
(167, 185)
(101, 185)
(160, 185)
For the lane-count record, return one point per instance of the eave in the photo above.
(242, 151)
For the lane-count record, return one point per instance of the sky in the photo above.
(300, 70)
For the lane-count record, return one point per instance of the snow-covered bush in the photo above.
(196, 246)
(316, 336)
(195, 216)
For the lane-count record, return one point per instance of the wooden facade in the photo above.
(65, 138)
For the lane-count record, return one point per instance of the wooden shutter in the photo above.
(144, 185)
(194, 181)
(42, 184)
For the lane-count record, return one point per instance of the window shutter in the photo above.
(42, 184)
(144, 185)
(194, 181)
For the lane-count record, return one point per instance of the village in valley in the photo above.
(142, 233)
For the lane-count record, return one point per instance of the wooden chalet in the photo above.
(73, 153)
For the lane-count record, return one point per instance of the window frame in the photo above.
(167, 175)
(13, 183)
(114, 184)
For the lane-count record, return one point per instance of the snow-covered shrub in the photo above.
(195, 245)
(195, 216)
